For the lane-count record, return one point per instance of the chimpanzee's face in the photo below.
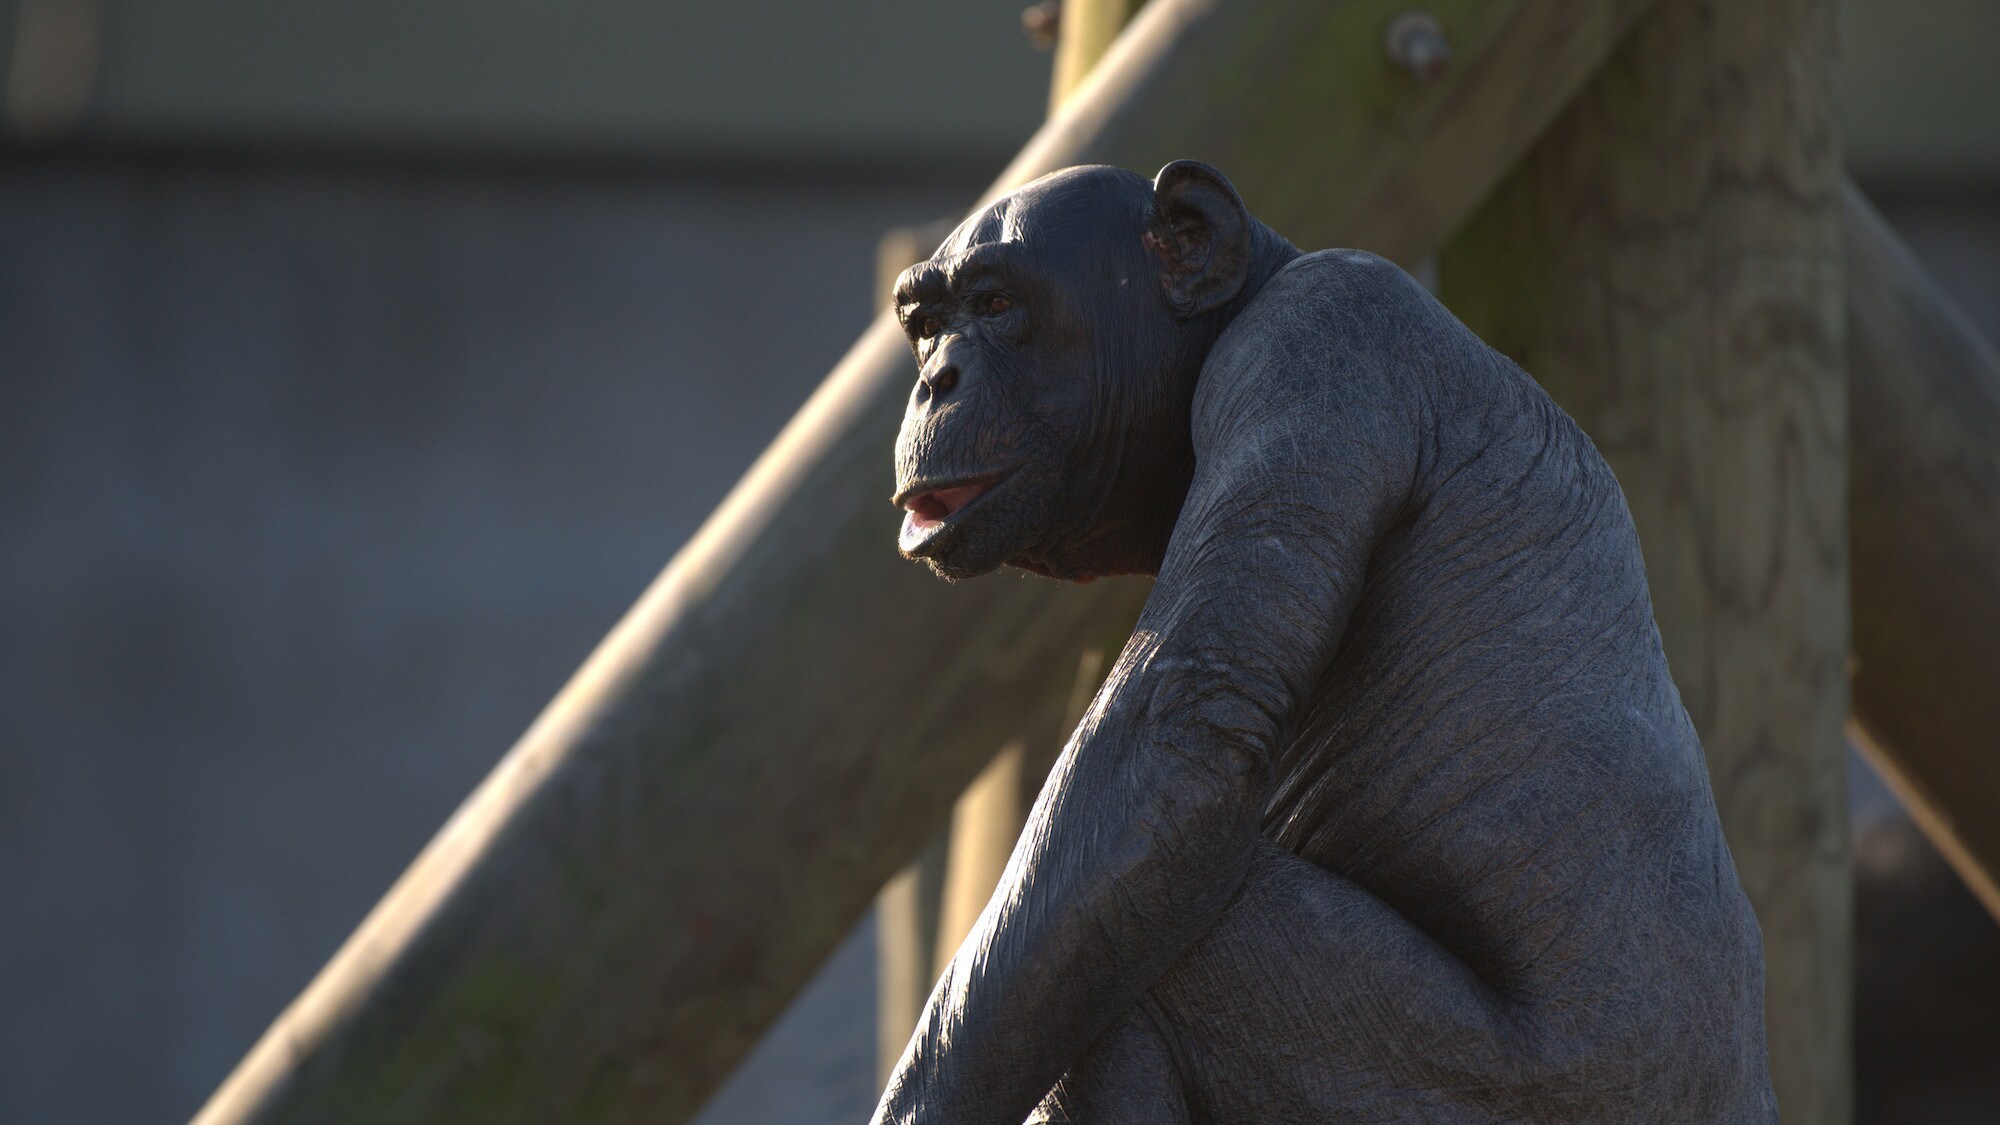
(1041, 339)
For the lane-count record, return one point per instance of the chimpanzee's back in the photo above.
(1497, 750)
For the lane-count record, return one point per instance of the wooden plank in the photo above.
(906, 953)
(613, 917)
(993, 810)
(1668, 262)
(1925, 524)
(1323, 134)
(1086, 32)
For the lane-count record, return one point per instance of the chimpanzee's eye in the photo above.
(993, 304)
(929, 326)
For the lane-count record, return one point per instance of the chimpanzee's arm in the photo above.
(1306, 446)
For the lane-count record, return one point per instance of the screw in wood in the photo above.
(1416, 42)
(1041, 22)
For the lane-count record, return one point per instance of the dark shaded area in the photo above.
(1927, 985)
(1927, 956)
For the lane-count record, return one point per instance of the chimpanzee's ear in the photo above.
(1200, 232)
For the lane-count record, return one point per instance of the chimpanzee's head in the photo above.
(1059, 334)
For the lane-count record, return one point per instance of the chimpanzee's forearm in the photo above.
(1139, 839)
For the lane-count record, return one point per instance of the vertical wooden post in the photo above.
(990, 814)
(906, 930)
(984, 825)
(925, 912)
(988, 817)
(1925, 467)
(1087, 30)
(1668, 262)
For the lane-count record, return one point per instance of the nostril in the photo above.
(942, 381)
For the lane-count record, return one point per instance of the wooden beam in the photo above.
(1278, 92)
(614, 916)
(1668, 263)
(1085, 32)
(906, 952)
(1925, 523)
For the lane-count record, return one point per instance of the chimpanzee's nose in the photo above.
(941, 381)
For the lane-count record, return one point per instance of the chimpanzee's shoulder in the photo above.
(1353, 287)
(1334, 322)
(1345, 302)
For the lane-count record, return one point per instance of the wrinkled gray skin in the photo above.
(1389, 810)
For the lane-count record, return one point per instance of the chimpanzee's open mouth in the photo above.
(928, 510)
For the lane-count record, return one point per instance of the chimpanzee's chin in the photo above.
(951, 573)
(955, 566)
(958, 553)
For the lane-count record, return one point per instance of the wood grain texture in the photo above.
(605, 927)
(1925, 522)
(1668, 262)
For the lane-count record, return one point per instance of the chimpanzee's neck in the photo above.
(1269, 253)
(1149, 498)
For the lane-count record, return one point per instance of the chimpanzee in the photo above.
(1389, 810)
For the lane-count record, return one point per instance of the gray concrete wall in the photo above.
(315, 484)
(1919, 84)
(639, 77)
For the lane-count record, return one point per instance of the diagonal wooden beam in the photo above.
(613, 917)
(1925, 521)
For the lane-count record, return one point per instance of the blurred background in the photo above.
(361, 362)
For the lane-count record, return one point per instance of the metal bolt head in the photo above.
(1416, 42)
(1042, 22)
